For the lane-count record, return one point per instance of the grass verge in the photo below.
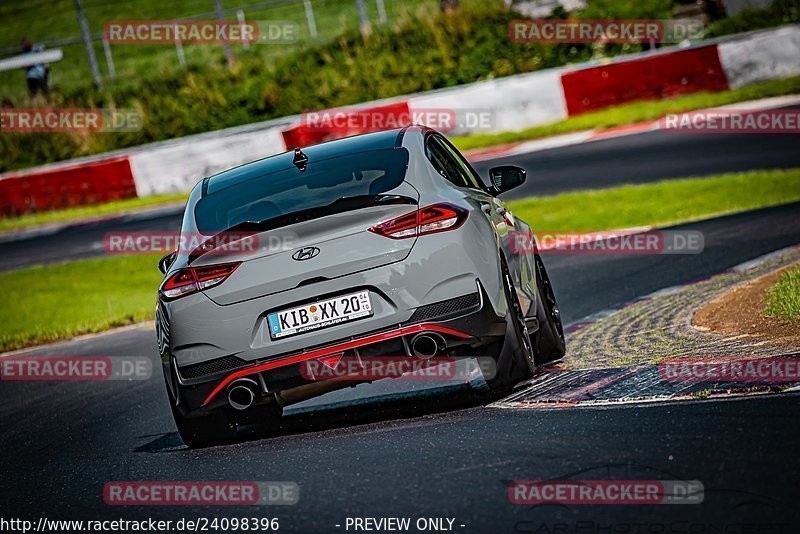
(47, 303)
(783, 299)
(62, 301)
(117, 207)
(635, 112)
(661, 203)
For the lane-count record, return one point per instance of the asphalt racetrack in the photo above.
(442, 453)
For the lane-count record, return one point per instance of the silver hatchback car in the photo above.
(382, 245)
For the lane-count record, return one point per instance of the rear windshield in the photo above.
(288, 191)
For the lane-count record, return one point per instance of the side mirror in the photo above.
(506, 177)
(166, 262)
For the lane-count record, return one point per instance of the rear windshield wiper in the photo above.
(340, 205)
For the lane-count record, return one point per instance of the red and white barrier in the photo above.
(763, 56)
(512, 103)
(318, 127)
(174, 167)
(66, 185)
(650, 77)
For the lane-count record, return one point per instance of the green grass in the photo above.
(86, 212)
(659, 204)
(783, 299)
(635, 112)
(62, 301)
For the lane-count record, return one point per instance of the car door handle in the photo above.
(486, 208)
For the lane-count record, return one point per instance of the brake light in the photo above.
(427, 220)
(193, 279)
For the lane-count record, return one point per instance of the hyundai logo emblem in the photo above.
(305, 253)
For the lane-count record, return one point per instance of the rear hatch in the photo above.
(317, 230)
(341, 244)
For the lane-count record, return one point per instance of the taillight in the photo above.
(428, 220)
(193, 279)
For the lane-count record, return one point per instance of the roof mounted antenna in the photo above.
(300, 160)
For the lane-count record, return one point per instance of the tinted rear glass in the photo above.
(289, 190)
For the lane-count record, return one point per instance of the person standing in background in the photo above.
(37, 76)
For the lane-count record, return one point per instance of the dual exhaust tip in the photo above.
(427, 345)
(242, 393)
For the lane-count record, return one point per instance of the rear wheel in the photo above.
(208, 429)
(515, 361)
(549, 342)
(217, 426)
(226, 424)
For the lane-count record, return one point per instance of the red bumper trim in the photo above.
(327, 351)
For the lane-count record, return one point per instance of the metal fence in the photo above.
(92, 57)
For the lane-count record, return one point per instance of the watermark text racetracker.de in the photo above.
(136, 32)
(201, 493)
(75, 368)
(224, 243)
(731, 121)
(606, 492)
(371, 120)
(605, 30)
(622, 242)
(28, 120)
(764, 370)
(434, 368)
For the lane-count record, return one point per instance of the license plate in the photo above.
(318, 315)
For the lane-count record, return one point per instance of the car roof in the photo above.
(322, 151)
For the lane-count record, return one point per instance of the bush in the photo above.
(779, 13)
(425, 52)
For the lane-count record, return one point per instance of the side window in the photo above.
(444, 163)
(466, 170)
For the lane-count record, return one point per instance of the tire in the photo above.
(205, 430)
(198, 430)
(549, 342)
(515, 361)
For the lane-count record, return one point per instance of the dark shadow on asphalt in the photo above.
(360, 412)
(334, 418)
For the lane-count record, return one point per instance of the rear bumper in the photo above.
(464, 332)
